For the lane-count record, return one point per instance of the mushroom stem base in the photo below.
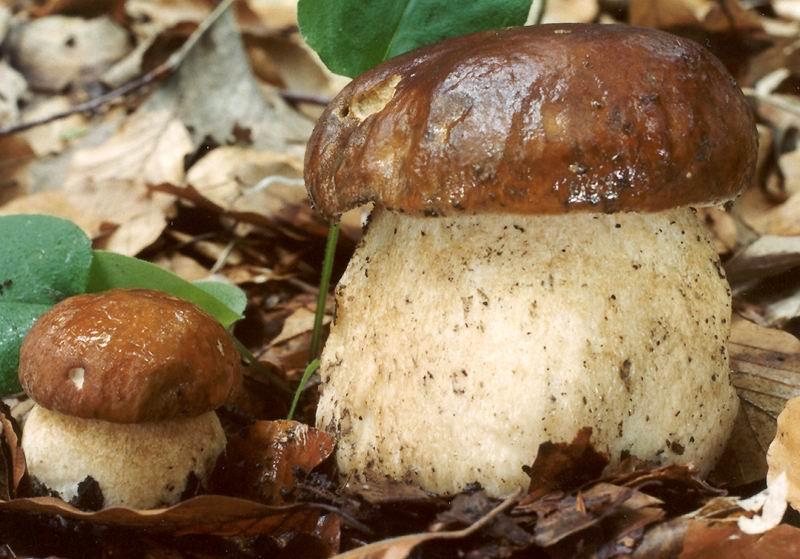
(461, 344)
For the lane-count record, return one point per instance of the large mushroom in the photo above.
(125, 384)
(533, 264)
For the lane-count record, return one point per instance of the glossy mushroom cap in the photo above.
(536, 120)
(128, 356)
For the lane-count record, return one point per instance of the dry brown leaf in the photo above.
(109, 181)
(767, 256)
(705, 540)
(274, 14)
(54, 137)
(261, 462)
(15, 156)
(13, 458)
(781, 220)
(184, 266)
(286, 62)
(564, 466)
(238, 107)
(248, 179)
(151, 17)
(401, 547)
(710, 15)
(53, 202)
(301, 321)
(83, 8)
(207, 514)
(765, 367)
(57, 51)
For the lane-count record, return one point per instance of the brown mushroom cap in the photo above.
(537, 120)
(128, 356)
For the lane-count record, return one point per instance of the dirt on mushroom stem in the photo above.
(462, 343)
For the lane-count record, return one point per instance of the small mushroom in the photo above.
(125, 384)
(533, 265)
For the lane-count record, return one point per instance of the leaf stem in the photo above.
(324, 285)
(310, 369)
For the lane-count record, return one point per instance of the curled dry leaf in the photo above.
(564, 466)
(12, 458)
(401, 547)
(109, 181)
(207, 514)
(53, 202)
(765, 367)
(55, 137)
(238, 106)
(263, 461)
(57, 51)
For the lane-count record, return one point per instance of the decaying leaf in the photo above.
(109, 181)
(564, 466)
(263, 461)
(206, 514)
(12, 458)
(401, 547)
(705, 540)
(765, 367)
(219, 64)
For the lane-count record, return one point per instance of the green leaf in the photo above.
(15, 321)
(111, 270)
(233, 297)
(352, 36)
(43, 259)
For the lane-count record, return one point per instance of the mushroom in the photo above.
(533, 264)
(125, 383)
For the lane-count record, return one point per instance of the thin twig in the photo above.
(161, 71)
(300, 97)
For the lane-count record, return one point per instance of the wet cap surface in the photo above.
(128, 356)
(537, 120)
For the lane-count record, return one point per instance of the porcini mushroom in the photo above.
(125, 384)
(533, 264)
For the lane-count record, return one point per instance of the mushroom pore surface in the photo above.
(138, 465)
(462, 343)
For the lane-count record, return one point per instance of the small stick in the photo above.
(159, 72)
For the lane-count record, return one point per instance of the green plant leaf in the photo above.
(43, 259)
(352, 36)
(110, 270)
(233, 297)
(15, 321)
